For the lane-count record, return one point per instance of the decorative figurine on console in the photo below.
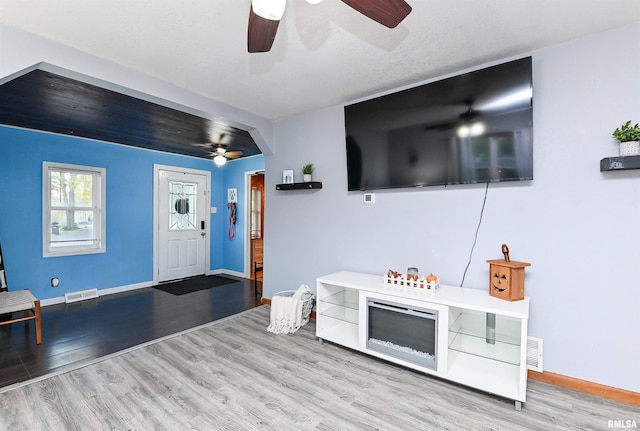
(506, 277)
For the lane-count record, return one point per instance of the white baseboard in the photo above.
(101, 292)
(52, 301)
(228, 272)
(112, 290)
(119, 289)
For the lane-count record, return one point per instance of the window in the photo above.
(73, 205)
(181, 217)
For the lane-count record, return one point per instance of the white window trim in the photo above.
(100, 214)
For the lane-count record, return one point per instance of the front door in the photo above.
(182, 224)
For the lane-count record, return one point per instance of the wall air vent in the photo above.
(80, 296)
(534, 354)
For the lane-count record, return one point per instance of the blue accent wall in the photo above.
(129, 211)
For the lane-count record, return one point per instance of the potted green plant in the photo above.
(629, 137)
(307, 170)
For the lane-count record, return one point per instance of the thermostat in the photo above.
(369, 198)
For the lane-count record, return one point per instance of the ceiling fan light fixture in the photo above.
(219, 160)
(470, 130)
(477, 129)
(269, 9)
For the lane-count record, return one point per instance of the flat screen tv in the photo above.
(471, 128)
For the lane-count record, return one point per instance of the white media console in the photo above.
(477, 340)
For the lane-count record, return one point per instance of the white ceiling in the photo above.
(323, 54)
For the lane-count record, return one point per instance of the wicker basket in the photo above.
(307, 302)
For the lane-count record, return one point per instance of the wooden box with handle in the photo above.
(506, 277)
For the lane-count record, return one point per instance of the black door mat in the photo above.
(194, 284)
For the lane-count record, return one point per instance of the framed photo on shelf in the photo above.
(287, 176)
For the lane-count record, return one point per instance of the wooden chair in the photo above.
(16, 301)
(21, 300)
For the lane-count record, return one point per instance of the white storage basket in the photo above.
(307, 302)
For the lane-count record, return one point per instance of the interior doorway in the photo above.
(255, 227)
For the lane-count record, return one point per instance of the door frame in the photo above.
(156, 210)
(247, 224)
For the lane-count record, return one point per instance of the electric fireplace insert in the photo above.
(403, 332)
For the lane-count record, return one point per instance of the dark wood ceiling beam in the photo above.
(49, 102)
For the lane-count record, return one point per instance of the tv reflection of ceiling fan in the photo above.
(265, 15)
(466, 123)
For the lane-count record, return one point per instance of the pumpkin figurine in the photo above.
(432, 282)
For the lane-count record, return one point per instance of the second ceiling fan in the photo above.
(264, 17)
(219, 153)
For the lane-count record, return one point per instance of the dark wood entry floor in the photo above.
(79, 332)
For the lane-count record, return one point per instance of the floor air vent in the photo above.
(534, 354)
(80, 296)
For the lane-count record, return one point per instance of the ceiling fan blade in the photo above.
(261, 32)
(233, 154)
(389, 13)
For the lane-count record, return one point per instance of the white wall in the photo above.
(577, 226)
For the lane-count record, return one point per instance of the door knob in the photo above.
(203, 234)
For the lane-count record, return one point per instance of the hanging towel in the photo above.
(286, 314)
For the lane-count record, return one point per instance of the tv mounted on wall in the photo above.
(467, 129)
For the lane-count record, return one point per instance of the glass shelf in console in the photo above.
(342, 298)
(341, 313)
(342, 305)
(468, 334)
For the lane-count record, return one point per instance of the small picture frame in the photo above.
(287, 176)
(232, 195)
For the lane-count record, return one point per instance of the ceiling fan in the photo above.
(467, 124)
(221, 155)
(219, 152)
(265, 15)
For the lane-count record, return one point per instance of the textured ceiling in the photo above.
(323, 54)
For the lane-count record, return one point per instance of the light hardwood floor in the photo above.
(233, 375)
